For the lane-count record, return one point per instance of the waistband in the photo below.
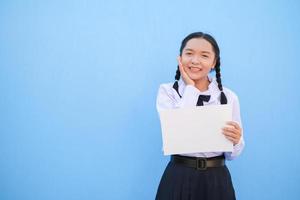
(198, 163)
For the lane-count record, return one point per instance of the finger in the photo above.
(232, 137)
(232, 130)
(230, 134)
(233, 123)
(180, 65)
(181, 69)
(179, 61)
(233, 140)
(237, 136)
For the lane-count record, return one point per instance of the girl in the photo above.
(199, 176)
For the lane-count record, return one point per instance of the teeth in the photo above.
(194, 68)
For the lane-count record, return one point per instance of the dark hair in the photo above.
(216, 50)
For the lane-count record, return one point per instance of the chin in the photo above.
(199, 78)
(196, 77)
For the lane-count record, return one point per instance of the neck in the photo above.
(202, 84)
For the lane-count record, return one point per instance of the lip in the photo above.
(195, 69)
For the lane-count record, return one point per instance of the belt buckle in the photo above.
(201, 164)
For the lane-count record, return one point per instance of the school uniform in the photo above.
(184, 178)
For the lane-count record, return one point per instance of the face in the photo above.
(198, 58)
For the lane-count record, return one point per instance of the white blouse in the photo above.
(168, 98)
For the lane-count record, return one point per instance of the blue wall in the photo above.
(78, 85)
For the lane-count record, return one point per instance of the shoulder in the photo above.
(166, 88)
(231, 95)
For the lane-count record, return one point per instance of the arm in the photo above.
(167, 98)
(239, 145)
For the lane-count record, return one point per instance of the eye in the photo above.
(205, 56)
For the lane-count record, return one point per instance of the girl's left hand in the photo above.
(233, 132)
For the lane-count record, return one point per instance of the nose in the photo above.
(195, 60)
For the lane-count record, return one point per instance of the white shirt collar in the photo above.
(212, 90)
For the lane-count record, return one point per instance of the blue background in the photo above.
(79, 80)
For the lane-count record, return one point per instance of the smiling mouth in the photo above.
(194, 69)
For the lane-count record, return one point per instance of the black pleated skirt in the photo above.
(185, 183)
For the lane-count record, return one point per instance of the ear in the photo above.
(214, 64)
(179, 59)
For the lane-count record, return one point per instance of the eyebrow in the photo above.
(201, 51)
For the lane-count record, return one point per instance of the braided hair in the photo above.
(217, 68)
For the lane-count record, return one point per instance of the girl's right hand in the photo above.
(185, 77)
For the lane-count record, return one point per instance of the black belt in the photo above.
(199, 163)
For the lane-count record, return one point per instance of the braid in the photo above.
(177, 76)
(218, 74)
(218, 77)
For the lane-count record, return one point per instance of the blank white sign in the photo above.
(195, 129)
